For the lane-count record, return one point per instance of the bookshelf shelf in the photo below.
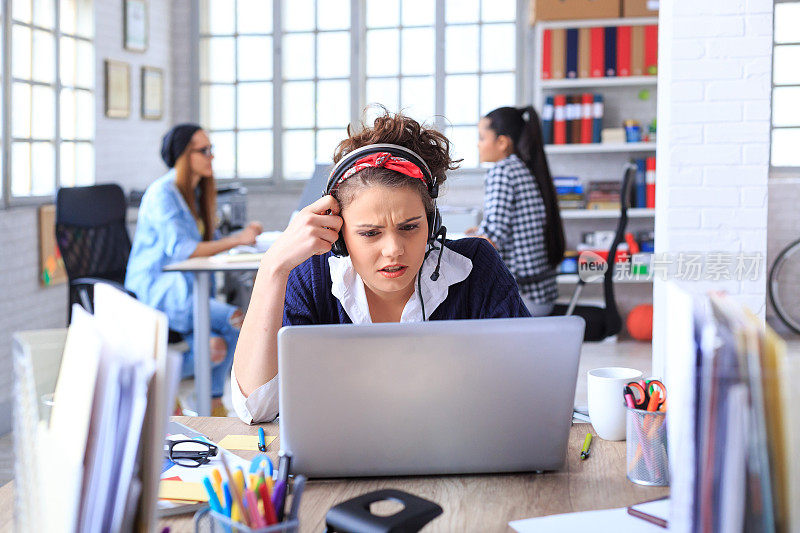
(588, 23)
(571, 279)
(598, 148)
(636, 212)
(614, 81)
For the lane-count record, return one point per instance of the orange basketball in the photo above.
(640, 322)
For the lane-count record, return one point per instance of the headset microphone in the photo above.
(443, 234)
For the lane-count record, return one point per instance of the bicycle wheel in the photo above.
(784, 286)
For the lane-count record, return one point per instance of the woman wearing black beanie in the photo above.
(177, 221)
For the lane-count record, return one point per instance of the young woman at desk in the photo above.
(520, 211)
(176, 222)
(389, 265)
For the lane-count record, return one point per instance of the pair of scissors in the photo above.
(644, 394)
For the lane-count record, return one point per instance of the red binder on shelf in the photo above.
(650, 181)
(651, 50)
(597, 68)
(559, 119)
(547, 72)
(586, 117)
(623, 51)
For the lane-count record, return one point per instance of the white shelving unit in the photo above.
(585, 218)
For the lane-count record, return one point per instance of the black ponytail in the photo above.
(526, 136)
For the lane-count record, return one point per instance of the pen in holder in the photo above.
(647, 447)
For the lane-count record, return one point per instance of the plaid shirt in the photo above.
(514, 219)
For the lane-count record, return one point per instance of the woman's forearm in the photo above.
(255, 361)
(209, 248)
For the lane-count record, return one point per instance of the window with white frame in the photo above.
(786, 86)
(52, 96)
(444, 62)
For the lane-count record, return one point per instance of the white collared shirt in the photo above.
(348, 288)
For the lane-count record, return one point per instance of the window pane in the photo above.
(298, 15)
(85, 101)
(465, 144)
(461, 99)
(499, 49)
(68, 114)
(22, 10)
(497, 90)
(44, 53)
(418, 47)
(44, 112)
(333, 14)
(461, 11)
(254, 16)
(21, 50)
(461, 49)
(297, 148)
(419, 12)
(67, 174)
(85, 74)
(785, 60)
(383, 13)
(216, 17)
(254, 154)
(787, 22)
(84, 164)
(784, 147)
(327, 141)
(255, 58)
(43, 169)
(298, 104)
(385, 92)
(67, 67)
(499, 11)
(255, 105)
(44, 13)
(417, 98)
(216, 106)
(333, 103)
(217, 59)
(223, 154)
(67, 16)
(786, 106)
(382, 52)
(20, 168)
(86, 21)
(333, 55)
(298, 56)
(21, 110)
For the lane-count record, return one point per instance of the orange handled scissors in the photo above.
(643, 393)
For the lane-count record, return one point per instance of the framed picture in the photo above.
(118, 89)
(136, 30)
(152, 93)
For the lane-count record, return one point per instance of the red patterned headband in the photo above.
(384, 160)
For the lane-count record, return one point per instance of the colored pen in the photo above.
(216, 478)
(278, 497)
(269, 509)
(237, 495)
(213, 501)
(228, 499)
(652, 405)
(586, 443)
(262, 444)
(252, 506)
(629, 397)
(284, 466)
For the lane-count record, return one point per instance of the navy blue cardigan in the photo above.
(489, 291)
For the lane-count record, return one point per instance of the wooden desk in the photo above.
(470, 502)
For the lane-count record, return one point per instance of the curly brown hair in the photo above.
(395, 128)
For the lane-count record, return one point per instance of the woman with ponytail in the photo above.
(520, 211)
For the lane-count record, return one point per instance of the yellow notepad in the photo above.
(171, 489)
(243, 442)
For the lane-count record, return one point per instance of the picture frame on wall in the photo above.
(135, 27)
(118, 89)
(152, 93)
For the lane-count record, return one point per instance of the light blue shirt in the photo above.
(166, 233)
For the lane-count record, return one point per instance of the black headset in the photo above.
(435, 227)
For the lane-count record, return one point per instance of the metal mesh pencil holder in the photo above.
(648, 463)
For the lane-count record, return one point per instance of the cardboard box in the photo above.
(640, 8)
(573, 9)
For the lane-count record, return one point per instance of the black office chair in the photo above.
(94, 242)
(605, 321)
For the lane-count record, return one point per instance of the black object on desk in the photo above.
(354, 516)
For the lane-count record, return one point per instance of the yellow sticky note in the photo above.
(244, 442)
(172, 489)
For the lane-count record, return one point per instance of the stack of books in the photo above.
(569, 192)
(600, 52)
(603, 195)
(643, 193)
(572, 119)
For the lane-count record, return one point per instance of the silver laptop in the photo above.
(443, 397)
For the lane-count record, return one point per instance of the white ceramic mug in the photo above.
(606, 403)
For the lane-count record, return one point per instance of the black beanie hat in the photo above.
(175, 142)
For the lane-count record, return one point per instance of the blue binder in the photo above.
(572, 52)
(611, 51)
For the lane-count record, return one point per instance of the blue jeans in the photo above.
(220, 327)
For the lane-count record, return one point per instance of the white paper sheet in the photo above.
(605, 521)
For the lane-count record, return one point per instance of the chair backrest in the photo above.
(91, 232)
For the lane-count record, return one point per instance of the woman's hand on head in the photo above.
(311, 232)
(248, 235)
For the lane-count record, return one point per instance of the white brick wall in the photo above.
(713, 110)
